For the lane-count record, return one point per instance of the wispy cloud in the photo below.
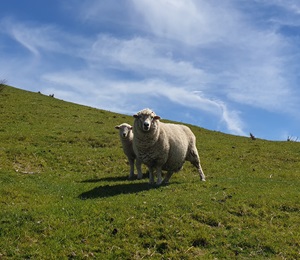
(128, 97)
(41, 39)
(252, 68)
(29, 36)
(290, 5)
(189, 21)
(143, 57)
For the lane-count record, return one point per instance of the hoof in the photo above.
(159, 182)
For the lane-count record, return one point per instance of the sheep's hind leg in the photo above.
(201, 173)
(167, 178)
(194, 159)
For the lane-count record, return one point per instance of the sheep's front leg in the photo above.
(151, 176)
(138, 165)
(131, 174)
(159, 178)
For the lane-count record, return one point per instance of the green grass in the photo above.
(64, 192)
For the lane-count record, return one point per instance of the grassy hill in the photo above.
(64, 192)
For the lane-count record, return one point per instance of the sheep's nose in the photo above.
(146, 124)
(124, 134)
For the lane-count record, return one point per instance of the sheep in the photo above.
(163, 146)
(126, 137)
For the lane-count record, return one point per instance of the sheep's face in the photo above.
(146, 119)
(124, 130)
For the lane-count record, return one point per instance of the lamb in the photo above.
(126, 137)
(163, 146)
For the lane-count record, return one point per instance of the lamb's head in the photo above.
(124, 130)
(146, 120)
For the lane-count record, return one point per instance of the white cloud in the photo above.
(290, 5)
(94, 10)
(251, 67)
(30, 37)
(189, 21)
(232, 121)
(41, 39)
(143, 57)
(129, 96)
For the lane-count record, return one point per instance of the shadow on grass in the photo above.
(110, 191)
(114, 178)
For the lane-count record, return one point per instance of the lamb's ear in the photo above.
(156, 117)
(117, 127)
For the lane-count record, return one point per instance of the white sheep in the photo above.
(163, 146)
(126, 137)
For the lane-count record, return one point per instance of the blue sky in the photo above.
(226, 65)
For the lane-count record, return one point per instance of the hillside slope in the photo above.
(64, 191)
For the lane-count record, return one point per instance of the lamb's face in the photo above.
(146, 119)
(124, 130)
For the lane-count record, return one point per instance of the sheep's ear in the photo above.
(131, 128)
(135, 116)
(156, 117)
(117, 127)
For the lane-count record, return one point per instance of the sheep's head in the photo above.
(124, 129)
(146, 119)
